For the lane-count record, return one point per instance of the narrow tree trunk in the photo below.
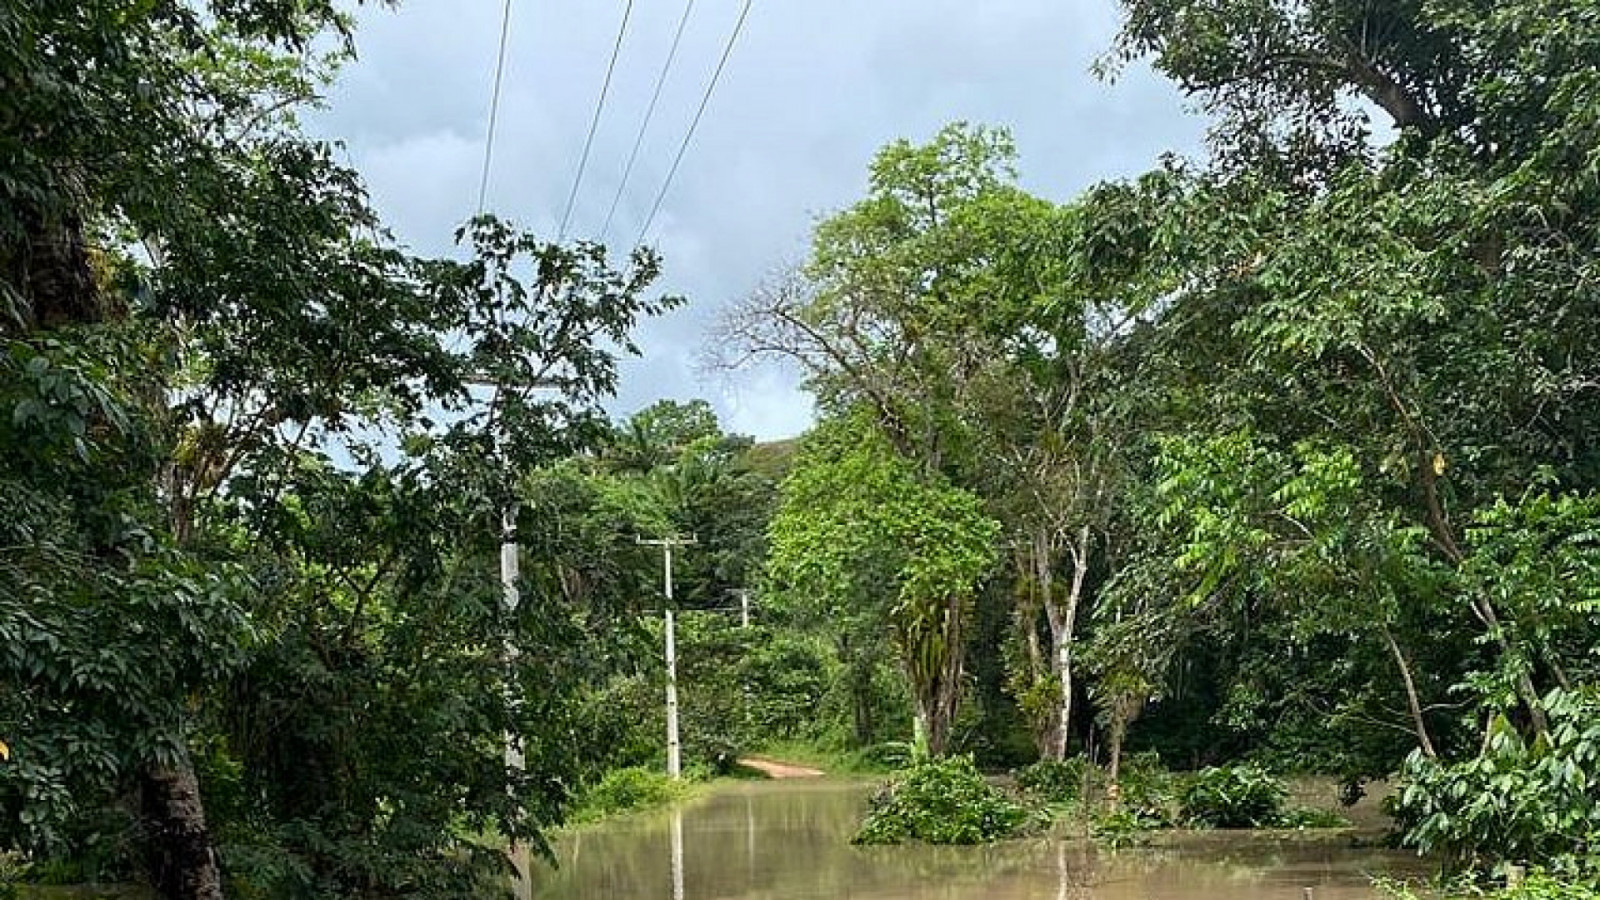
(1417, 721)
(1119, 730)
(1063, 624)
(1557, 671)
(1063, 725)
(1051, 736)
(182, 863)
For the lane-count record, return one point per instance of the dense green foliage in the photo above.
(1292, 447)
(860, 533)
(1240, 796)
(941, 801)
(625, 790)
(1058, 780)
(1515, 802)
(1281, 459)
(240, 647)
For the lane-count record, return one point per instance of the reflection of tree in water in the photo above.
(1073, 882)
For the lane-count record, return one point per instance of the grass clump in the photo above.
(941, 801)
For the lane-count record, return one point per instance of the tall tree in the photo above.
(197, 297)
(859, 530)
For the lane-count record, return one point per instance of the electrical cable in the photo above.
(705, 99)
(494, 105)
(594, 123)
(644, 126)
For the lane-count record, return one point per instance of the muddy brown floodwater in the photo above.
(785, 840)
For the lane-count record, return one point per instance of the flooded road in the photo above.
(788, 840)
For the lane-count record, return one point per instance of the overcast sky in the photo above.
(812, 90)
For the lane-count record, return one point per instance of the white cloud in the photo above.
(812, 90)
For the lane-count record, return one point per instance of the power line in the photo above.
(650, 111)
(705, 99)
(594, 123)
(494, 104)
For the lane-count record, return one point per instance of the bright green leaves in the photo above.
(858, 531)
(1248, 518)
(941, 801)
(1541, 555)
(856, 521)
(1537, 562)
(201, 309)
(1528, 803)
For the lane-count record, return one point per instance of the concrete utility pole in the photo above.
(744, 607)
(509, 573)
(522, 886)
(674, 749)
(744, 622)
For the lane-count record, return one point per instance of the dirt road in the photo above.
(776, 769)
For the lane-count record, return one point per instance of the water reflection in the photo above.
(794, 842)
(677, 854)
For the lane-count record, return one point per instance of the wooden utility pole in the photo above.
(674, 749)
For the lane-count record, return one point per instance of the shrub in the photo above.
(1233, 797)
(1148, 792)
(1541, 886)
(941, 801)
(1119, 829)
(627, 790)
(888, 755)
(1535, 804)
(1058, 780)
(1537, 886)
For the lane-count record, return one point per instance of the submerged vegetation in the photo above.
(1277, 461)
(626, 790)
(941, 801)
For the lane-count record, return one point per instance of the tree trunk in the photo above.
(1417, 721)
(938, 692)
(1063, 624)
(1119, 730)
(1053, 735)
(1063, 667)
(59, 284)
(182, 863)
(919, 732)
